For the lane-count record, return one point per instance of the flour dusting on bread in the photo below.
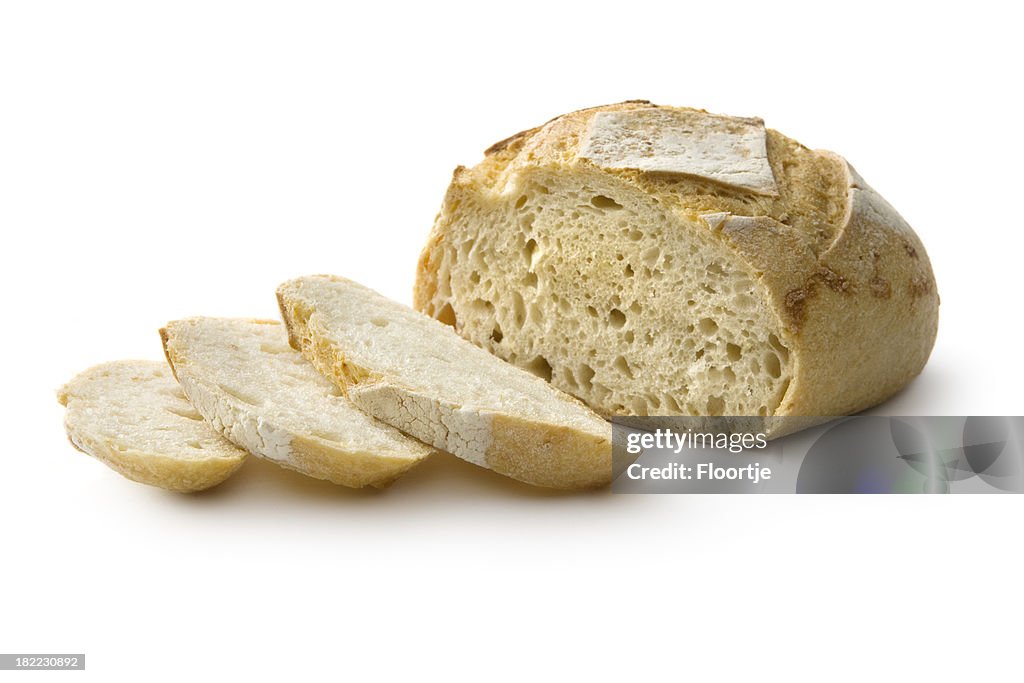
(728, 150)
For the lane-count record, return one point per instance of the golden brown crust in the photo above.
(868, 329)
(152, 469)
(425, 286)
(555, 457)
(376, 470)
(164, 339)
(513, 143)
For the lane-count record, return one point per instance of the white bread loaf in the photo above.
(260, 394)
(133, 416)
(416, 374)
(664, 261)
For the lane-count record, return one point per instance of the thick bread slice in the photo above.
(258, 392)
(418, 375)
(665, 261)
(133, 416)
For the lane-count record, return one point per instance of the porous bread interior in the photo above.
(251, 362)
(611, 286)
(380, 340)
(138, 407)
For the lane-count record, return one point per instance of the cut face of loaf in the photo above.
(258, 392)
(662, 261)
(132, 416)
(415, 374)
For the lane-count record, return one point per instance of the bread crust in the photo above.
(862, 316)
(155, 469)
(852, 289)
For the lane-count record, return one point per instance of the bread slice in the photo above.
(258, 392)
(667, 261)
(418, 375)
(133, 416)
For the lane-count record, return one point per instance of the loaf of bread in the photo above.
(259, 393)
(133, 416)
(416, 374)
(665, 261)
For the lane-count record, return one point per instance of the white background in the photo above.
(160, 160)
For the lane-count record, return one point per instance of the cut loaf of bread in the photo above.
(245, 379)
(133, 416)
(418, 375)
(665, 261)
